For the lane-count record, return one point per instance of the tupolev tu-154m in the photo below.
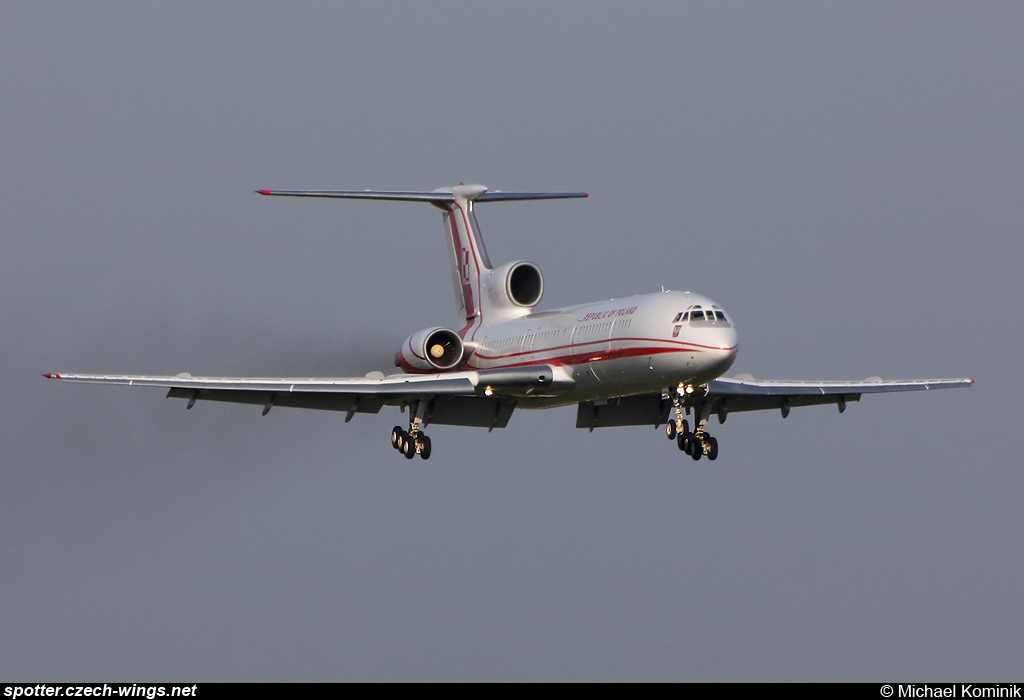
(654, 359)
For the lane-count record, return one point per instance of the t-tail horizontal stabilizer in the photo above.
(444, 195)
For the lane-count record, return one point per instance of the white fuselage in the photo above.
(612, 348)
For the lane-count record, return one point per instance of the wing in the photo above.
(483, 398)
(728, 395)
(740, 394)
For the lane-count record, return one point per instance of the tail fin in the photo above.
(468, 256)
(469, 261)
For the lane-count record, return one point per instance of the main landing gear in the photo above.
(698, 443)
(412, 442)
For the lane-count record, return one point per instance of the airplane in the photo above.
(654, 359)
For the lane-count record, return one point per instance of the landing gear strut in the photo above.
(698, 443)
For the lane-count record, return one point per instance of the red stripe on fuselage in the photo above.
(585, 357)
(677, 346)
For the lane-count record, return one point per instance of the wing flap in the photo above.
(349, 403)
(783, 402)
(629, 410)
(474, 411)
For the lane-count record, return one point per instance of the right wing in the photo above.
(483, 398)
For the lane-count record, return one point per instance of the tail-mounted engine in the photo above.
(430, 350)
(516, 287)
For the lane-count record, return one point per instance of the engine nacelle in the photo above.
(430, 350)
(515, 285)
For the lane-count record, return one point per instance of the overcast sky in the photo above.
(846, 180)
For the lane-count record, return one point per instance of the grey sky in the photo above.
(844, 179)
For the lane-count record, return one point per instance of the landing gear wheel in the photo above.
(696, 449)
(396, 435)
(670, 429)
(408, 448)
(683, 442)
(712, 449)
(424, 447)
(684, 428)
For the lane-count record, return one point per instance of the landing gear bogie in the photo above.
(412, 442)
(698, 446)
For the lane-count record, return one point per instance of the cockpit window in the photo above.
(698, 314)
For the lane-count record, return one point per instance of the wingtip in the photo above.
(51, 375)
(263, 192)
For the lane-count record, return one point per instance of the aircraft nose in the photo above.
(723, 346)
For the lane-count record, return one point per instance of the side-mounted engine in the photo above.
(430, 350)
(514, 288)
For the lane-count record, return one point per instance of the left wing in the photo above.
(748, 394)
(483, 398)
(728, 395)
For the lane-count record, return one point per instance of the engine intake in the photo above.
(517, 284)
(430, 350)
